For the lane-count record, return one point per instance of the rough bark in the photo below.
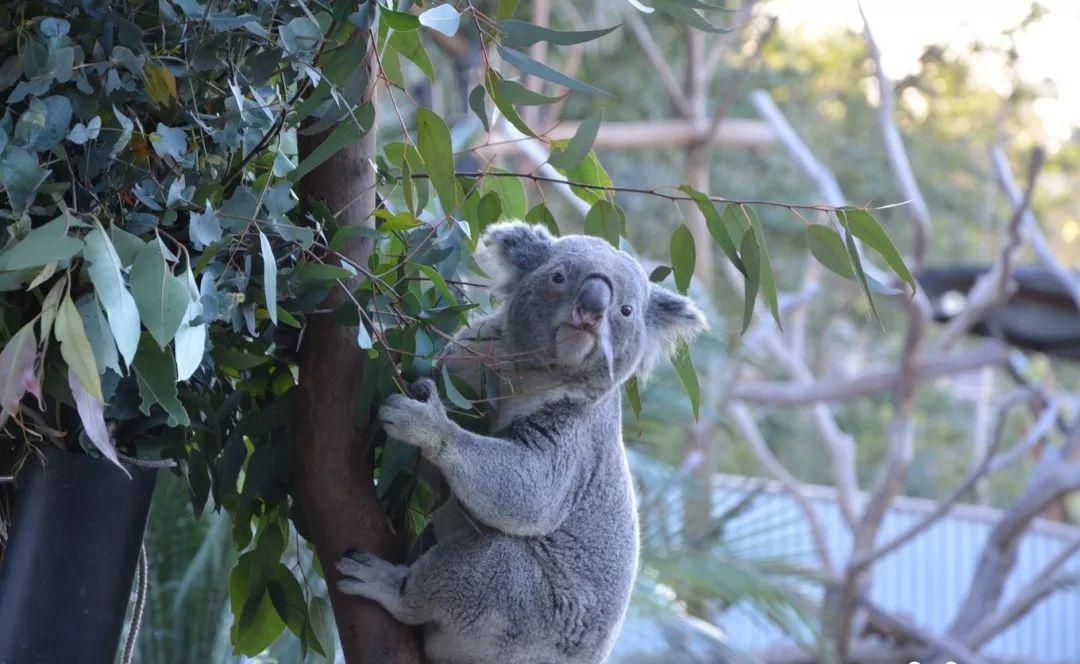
(334, 480)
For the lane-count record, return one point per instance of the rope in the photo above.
(146, 463)
(137, 611)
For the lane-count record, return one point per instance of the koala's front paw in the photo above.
(367, 575)
(419, 421)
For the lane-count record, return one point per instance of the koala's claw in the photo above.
(423, 390)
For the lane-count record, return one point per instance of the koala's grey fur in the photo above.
(537, 564)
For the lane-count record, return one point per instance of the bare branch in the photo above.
(656, 59)
(744, 420)
(1045, 583)
(734, 87)
(903, 629)
(945, 505)
(1053, 478)
(1030, 228)
(992, 288)
(894, 147)
(870, 382)
(723, 42)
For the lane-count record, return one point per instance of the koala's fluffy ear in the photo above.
(509, 250)
(669, 318)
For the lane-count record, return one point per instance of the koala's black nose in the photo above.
(592, 302)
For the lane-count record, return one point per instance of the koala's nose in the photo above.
(592, 302)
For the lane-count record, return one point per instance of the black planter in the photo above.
(66, 577)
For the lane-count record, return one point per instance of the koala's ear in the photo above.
(669, 318)
(509, 250)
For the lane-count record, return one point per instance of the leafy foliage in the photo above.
(152, 227)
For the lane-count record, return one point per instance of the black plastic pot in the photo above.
(66, 577)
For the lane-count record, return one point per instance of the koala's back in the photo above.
(549, 599)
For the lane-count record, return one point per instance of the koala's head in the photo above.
(579, 307)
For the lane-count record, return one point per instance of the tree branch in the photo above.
(1030, 228)
(894, 148)
(656, 59)
(1052, 479)
(870, 382)
(992, 288)
(1045, 583)
(744, 420)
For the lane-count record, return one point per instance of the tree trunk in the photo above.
(334, 479)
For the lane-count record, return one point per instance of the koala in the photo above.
(541, 567)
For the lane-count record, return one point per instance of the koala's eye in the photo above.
(627, 310)
(558, 277)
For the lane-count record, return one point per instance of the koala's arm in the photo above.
(518, 487)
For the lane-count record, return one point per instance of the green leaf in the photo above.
(540, 70)
(580, 145)
(476, 103)
(42, 245)
(401, 21)
(506, 9)
(408, 44)
(433, 142)
(160, 296)
(768, 281)
(511, 192)
(105, 274)
(269, 277)
(452, 392)
(503, 104)
(724, 228)
(441, 18)
(633, 395)
(522, 34)
(127, 245)
(751, 255)
(91, 411)
(516, 93)
(75, 347)
(659, 274)
(190, 342)
(589, 172)
(20, 176)
(827, 247)
(99, 334)
(867, 229)
(439, 282)
(540, 214)
(160, 84)
(686, 15)
(301, 35)
(17, 371)
(684, 366)
(860, 274)
(605, 220)
(156, 376)
(345, 134)
(683, 257)
(256, 622)
(363, 337)
(49, 306)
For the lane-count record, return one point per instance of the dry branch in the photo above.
(870, 382)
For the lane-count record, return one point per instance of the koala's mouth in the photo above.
(576, 345)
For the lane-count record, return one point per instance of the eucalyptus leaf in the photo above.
(684, 367)
(522, 34)
(538, 69)
(161, 297)
(42, 245)
(156, 377)
(683, 257)
(18, 374)
(20, 176)
(75, 347)
(106, 274)
(433, 142)
(91, 409)
(269, 277)
(441, 18)
(579, 146)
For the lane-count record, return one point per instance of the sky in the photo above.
(1049, 50)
